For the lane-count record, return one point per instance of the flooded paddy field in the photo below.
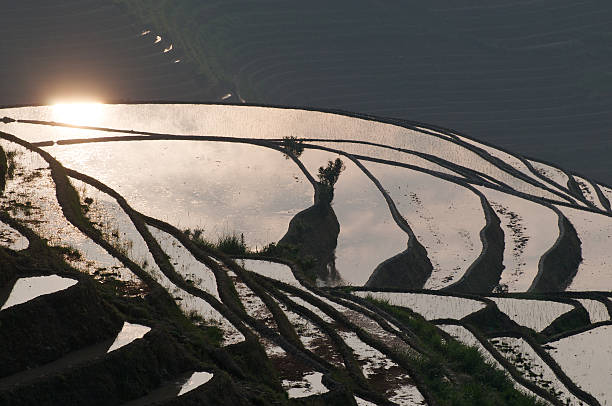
(255, 228)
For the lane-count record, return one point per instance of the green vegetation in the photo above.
(293, 146)
(177, 344)
(328, 176)
(231, 244)
(11, 164)
(3, 170)
(475, 381)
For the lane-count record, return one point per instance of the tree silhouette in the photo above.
(328, 176)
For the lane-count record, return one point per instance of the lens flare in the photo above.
(89, 114)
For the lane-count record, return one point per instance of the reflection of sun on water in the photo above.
(78, 113)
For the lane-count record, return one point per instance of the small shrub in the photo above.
(11, 164)
(196, 237)
(293, 146)
(232, 244)
(328, 175)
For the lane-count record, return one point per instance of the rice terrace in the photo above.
(221, 252)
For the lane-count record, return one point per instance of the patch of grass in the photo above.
(3, 170)
(26, 207)
(231, 244)
(70, 253)
(11, 163)
(476, 382)
(197, 238)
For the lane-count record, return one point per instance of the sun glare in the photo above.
(89, 114)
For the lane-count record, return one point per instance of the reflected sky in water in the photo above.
(445, 217)
(220, 187)
(229, 188)
(368, 233)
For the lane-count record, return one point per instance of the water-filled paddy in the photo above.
(595, 233)
(532, 367)
(551, 172)
(26, 289)
(586, 359)
(596, 309)
(429, 306)
(222, 188)
(11, 238)
(368, 233)
(29, 196)
(446, 218)
(129, 333)
(196, 380)
(535, 314)
(530, 229)
(253, 192)
(588, 191)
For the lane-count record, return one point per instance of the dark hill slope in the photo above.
(522, 75)
(86, 49)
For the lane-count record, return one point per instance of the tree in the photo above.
(329, 175)
(293, 146)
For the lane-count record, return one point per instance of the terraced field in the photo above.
(292, 290)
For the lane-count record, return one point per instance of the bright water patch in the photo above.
(586, 359)
(588, 191)
(108, 217)
(11, 238)
(387, 154)
(535, 314)
(595, 233)
(186, 264)
(30, 196)
(368, 233)
(446, 218)
(363, 402)
(196, 380)
(533, 368)
(269, 123)
(429, 306)
(396, 384)
(26, 289)
(550, 172)
(530, 229)
(510, 159)
(222, 188)
(596, 309)
(280, 272)
(129, 333)
(310, 385)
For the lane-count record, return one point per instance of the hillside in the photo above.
(292, 292)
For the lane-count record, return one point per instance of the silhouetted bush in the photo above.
(293, 146)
